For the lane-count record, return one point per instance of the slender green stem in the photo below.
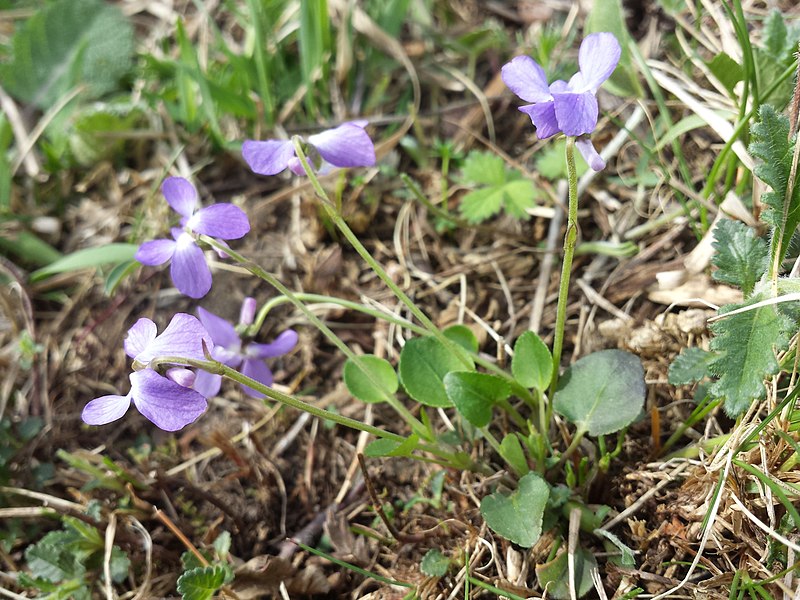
(217, 368)
(319, 298)
(416, 424)
(566, 268)
(351, 237)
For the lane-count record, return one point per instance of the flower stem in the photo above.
(416, 425)
(351, 237)
(220, 369)
(349, 304)
(566, 268)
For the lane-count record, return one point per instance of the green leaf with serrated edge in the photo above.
(515, 196)
(463, 336)
(434, 563)
(532, 365)
(775, 37)
(745, 345)
(602, 392)
(742, 258)
(483, 168)
(69, 43)
(203, 582)
(384, 447)
(554, 575)
(690, 366)
(512, 452)
(424, 362)
(608, 15)
(377, 386)
(54, 558)
(474, 394)
(94, 132)
(727, 70)
(551, 162)
(88, 258)
(518, 516)
(771, 145)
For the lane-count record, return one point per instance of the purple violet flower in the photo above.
(169, 405)
(566, 107)
(189, 269)
(247, 357)
(347, 145)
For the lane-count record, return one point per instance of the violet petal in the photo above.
(247, 314)
(140, 336)
(590, 155)
(180, 195)
(168, 405)
(189, 270)
(598, 57)
(224, 221)
(576, 113)
(526, 79)
(105, 409)
(258, 370)
(282, 344)
(182, 376)
(155, 252)
(348, 145)
(183, 337)
(221, 331)
(207, 384)
(269, 157)
(543, 117)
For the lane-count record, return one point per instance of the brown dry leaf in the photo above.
(263, 575)
(691, 291)
(347, 546)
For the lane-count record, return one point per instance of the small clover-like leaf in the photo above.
(423, 364)
(742, 257)
(498, 188)
(602, 392)
(434, 563)
(518, 516)
(379, 382)
(690, 366)
(532, 364)
(474, 394)
(203, 582)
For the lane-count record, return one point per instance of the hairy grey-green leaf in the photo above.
(742, 257)
(772, 146)
(69, 43)
(745, 345)
(690, 366)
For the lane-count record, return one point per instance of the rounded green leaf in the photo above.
(554, 575)
(518, 516)
(463, 336)
(434, 563)
(602, 392)
(423, 364)
(474, 394)
(532, 364)
(376, 384)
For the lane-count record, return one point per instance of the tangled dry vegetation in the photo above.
(266, 474)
